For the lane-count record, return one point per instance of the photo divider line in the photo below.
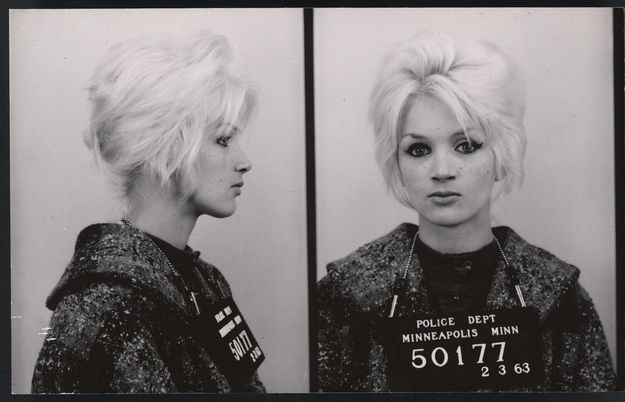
(619, 180)
(5, 232)
(311, 224)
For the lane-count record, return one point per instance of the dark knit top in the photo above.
(122, 322)
(457, 282)
(187, 264)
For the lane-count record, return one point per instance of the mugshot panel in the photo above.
(566, 202)
(56, 190)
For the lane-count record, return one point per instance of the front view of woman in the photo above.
(137, 310)
(454, 304)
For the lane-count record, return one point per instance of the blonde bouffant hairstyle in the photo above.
(154, 100)
(476, 80)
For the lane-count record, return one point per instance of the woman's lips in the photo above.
(444, 197)
(237, 187)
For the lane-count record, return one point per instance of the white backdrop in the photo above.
(566, 204)
(56, 189)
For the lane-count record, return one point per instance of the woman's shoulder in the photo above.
(369, 255)
(531, 259)
(98, 304)
(545, 279)
(104, 236)
(117, 255)
(366, 275)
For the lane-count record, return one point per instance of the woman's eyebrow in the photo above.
(232, 129)
(415, 136)
(460, 133)
(227, 129)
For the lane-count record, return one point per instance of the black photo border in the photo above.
(308, 40)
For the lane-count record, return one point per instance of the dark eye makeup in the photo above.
(419, 149)
(468, 147)
(223, 141)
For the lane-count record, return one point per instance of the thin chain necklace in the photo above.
(509, 268)
(409, 262)
(126, 222)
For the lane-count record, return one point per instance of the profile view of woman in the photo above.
(137, 310)
(454, 304)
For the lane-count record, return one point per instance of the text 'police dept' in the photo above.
(456, 333)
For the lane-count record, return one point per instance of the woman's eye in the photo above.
(223, 141)
(468, 147)
(418, 150)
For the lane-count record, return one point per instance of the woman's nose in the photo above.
(443, 168)
(243, 164)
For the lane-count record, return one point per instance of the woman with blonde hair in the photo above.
(454, 304)
(136, 309)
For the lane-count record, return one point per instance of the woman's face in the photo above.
(449, 180)
(222, 165)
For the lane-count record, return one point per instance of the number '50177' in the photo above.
(440, 357)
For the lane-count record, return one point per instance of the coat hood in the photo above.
(119, 254)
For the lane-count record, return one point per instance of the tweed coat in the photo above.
(122, 324)
(354, 297)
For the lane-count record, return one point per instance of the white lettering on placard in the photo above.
(228, 310)
(255, 354)
(509, 330)
(436, 322)
(237, 319)
(421, 361)
(459, 354)
(481, 319)
(223, 331)
(502, 347)
(521, 368)
(445, 357)
(240, 345)
(219, 316)
(440, 357)
(482, 347)
(440, 335)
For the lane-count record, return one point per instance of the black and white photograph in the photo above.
(465, 200)
(319, 200)
(158, 238)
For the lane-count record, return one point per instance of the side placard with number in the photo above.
(229, 340)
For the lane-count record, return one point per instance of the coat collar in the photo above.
(543, 278)
(369, 274)
(117, 253)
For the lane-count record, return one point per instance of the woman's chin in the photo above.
(443, 220)
(223, 212)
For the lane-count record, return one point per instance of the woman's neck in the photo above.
(157, 211)
(455, 239)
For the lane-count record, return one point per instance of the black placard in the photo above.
(230, 341)
(487, 350)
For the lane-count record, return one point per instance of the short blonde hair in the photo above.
(155, 99)
(478, 82)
